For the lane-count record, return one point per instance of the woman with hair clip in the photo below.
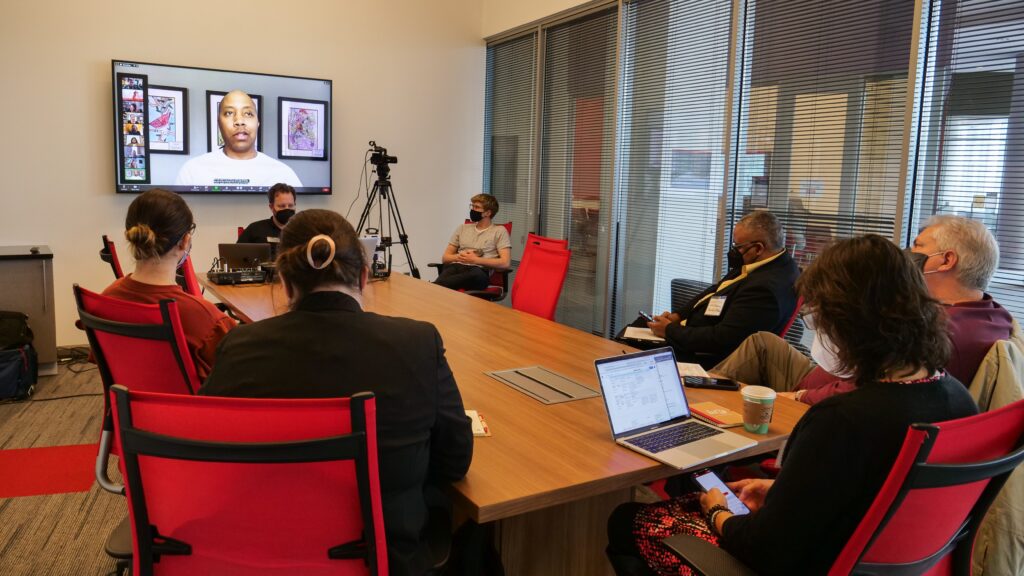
(159, 229)
(869, 299)
(327, 346)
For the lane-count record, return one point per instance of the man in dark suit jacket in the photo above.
(755, 295)
(328, 346)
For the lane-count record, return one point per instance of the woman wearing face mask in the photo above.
(159, 229)
(890, 336)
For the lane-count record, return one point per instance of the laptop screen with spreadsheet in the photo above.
(642, 391)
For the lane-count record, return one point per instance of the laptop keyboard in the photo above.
(661, 440)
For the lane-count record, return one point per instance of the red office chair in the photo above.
(539, 281)
(497, 284)
(792, 317)
(924, 518)
(187, 278)
(109, 255)
(534, 240)
(240, 230)
(251, 486)
(137, 345)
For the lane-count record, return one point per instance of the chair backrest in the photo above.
(538, 240)
(539, 281)
(929, 508)
(189, 281)
(141, 346)
(251, 486)
(534, 240)
(792, 317)
(109, 255)
(240, 230)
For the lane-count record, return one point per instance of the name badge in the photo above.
(715, 306)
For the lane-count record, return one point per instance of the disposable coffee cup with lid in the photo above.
(758, 404)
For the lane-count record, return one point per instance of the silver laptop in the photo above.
(243, 256)
(648, 412)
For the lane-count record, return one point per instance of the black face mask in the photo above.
(283, 216)
(475, 215)
(917, 258)
(735, 258)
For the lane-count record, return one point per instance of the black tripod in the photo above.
(382, 189)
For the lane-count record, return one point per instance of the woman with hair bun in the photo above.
(327, 346)
(159, 228)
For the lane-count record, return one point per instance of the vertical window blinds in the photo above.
(671, 161)
(509, 133)
(970, 140)
(819, 138)
(576, 153)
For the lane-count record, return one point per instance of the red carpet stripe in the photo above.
(50, 470)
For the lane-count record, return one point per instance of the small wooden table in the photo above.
(550, 474)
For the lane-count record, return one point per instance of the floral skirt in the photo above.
(663, 519)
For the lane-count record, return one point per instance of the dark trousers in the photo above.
(463, 277)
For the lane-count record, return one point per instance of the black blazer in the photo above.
(763, 301)
(329, 347)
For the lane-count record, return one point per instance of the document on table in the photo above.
(480, 427)
(641, 334)
(687, 369)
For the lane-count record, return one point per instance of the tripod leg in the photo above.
(369, 206)
(403, 238)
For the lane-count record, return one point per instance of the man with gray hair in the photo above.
(958, 257)
(756, 294)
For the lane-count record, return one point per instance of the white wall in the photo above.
(408, 74)
(502, 15)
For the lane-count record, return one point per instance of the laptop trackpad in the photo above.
(709, 448)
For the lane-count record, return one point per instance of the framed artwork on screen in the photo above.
(303, 129)
(168, 119)
(214, 140)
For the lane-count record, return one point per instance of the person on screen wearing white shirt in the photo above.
(238, 163)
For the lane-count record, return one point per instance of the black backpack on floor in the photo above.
(19, 365)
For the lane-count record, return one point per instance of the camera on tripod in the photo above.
(380, 156)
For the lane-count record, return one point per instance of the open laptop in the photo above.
(243, 256)
(648, 412)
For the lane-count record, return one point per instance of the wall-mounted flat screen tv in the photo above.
(205, 131)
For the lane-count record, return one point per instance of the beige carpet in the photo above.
(64, 533)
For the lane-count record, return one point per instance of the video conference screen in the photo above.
(198, 130)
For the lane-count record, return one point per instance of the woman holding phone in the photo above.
(867, 297)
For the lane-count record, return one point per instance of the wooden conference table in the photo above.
(549, 474)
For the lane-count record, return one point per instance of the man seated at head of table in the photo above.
(327, 346)
(756, 294)
(958, 257)
(159, 228)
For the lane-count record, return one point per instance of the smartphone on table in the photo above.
(707, 480)
(712, 383)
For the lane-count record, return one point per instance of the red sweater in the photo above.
(973, 328)
(203, 323)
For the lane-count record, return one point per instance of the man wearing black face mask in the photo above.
(282, 207)
(756, 294)
(476, 248)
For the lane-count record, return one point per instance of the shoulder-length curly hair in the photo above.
(871, 301)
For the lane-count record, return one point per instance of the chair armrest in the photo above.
(435, 265)
(706, 558)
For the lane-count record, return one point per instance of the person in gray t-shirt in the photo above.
(476, 249)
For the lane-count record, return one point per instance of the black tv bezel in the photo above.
(119, 151)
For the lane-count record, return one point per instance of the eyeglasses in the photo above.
(745, 244)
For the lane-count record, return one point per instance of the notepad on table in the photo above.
(715, 414)
(636, 333)
(479, 424)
